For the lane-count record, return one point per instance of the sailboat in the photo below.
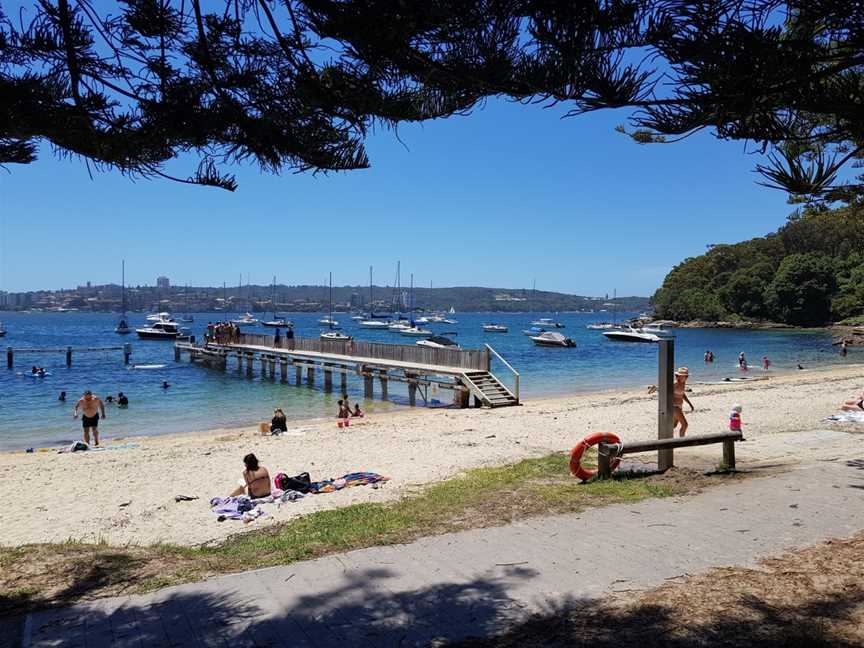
(122, 327)
(187, 317)
(371, 322)
(413, 330)
(278, 321)
(332, 324)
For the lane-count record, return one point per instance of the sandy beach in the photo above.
(126, 495)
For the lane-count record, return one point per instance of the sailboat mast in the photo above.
(123, 288)
(330, 311)
(371, 314)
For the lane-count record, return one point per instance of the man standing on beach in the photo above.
(679, 396)
(90, 407)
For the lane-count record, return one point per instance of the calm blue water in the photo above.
(202, 398)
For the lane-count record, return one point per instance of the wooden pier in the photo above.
(467, 373)
(68, 351)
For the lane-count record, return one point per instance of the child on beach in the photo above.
(735, 419)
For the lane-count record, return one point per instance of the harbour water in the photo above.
(202, 399)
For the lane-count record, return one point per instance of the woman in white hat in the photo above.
(679, 396)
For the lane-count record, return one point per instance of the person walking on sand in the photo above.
(843, 349)
(766, 363)
(679, 397)
(742, 361)
(90, 407)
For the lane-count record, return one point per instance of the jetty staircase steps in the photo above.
(491, 391)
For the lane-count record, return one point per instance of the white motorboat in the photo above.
(447, 320)
(328, 321)
(375, 324)
(2, 330)
(495, 328)
(423, 320)
(602, 326)
(437, 342)
(358, 318)
(534, 331)
(246, 320)
(164, 330)
(336, 335)
(159, 317)
(551, 338)
(631, 335)
(415, 331)
(547, 323)
(398, 325)
(657, 328)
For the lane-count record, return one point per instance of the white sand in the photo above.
(54, 497)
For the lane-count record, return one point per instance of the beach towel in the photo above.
(231, 508)
(346, 481)
(847, 417)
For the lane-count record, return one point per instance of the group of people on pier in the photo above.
(222, 333)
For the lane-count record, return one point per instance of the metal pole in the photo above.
(9, 357)
(69, 356)
(665, 407)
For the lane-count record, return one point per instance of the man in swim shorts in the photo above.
(90, 407)
(679, 396)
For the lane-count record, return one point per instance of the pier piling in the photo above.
(298, 376)
(283, 369)
(310, 376)
(328, 379)
(9, 357)
(382, 377)
(343, 381)
(69, 356)
(368, 386)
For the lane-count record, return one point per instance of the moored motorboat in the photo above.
(551, 338)
(123, 327)
(278, 322)
(247, 320)
(398, 325)
(336, 335)
(534, 331)
(375, 324)
(547, 323)
(601, 326)
(438, 342)
(415, 331)
(631, 335)
(164, 330)
(2, 330)
(159, 317)
(495, 328)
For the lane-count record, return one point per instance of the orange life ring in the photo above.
(576, 468)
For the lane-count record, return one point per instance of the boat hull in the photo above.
(624, 336)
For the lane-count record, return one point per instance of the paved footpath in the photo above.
(475, 582)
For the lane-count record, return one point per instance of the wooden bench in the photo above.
(606, 452)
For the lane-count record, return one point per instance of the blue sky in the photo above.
(500, 198)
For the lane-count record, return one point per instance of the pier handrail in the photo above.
(470, 359)
(510, 367)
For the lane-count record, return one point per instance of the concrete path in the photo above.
(476, 582)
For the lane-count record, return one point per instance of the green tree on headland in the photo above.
(809, 272)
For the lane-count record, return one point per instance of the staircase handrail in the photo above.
(510, 367)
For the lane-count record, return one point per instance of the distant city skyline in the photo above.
(501, 198)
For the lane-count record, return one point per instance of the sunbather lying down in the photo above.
(854, 405)
(255, 481)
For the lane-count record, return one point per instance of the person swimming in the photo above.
(165, 384)
(62, 397)
(357, 411)
(122, 401)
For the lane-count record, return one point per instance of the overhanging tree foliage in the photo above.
(298, 84)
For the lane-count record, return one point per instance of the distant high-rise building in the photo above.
(163, 282)
(356, 300)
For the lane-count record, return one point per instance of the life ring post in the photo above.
(576, 468)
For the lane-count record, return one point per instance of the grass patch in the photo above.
(40, 575)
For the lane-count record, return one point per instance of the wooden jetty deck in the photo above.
(465, 372)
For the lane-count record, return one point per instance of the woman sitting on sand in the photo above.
(279, 423)
(256, 479)
(854, 405)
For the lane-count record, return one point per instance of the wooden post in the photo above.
(343, 381)
(69, 356)
(461, 398)
(298, 374)
(176, 353)
(412, 390)
(9, 357)
(328, 378)
(368, 386)
(250, 358)
(604, 465)
(729, 454)
(384, 381)
(310, 375)
(478, 402)
(283, 369)
(665, 408)
(239, 362)
(263, 366)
